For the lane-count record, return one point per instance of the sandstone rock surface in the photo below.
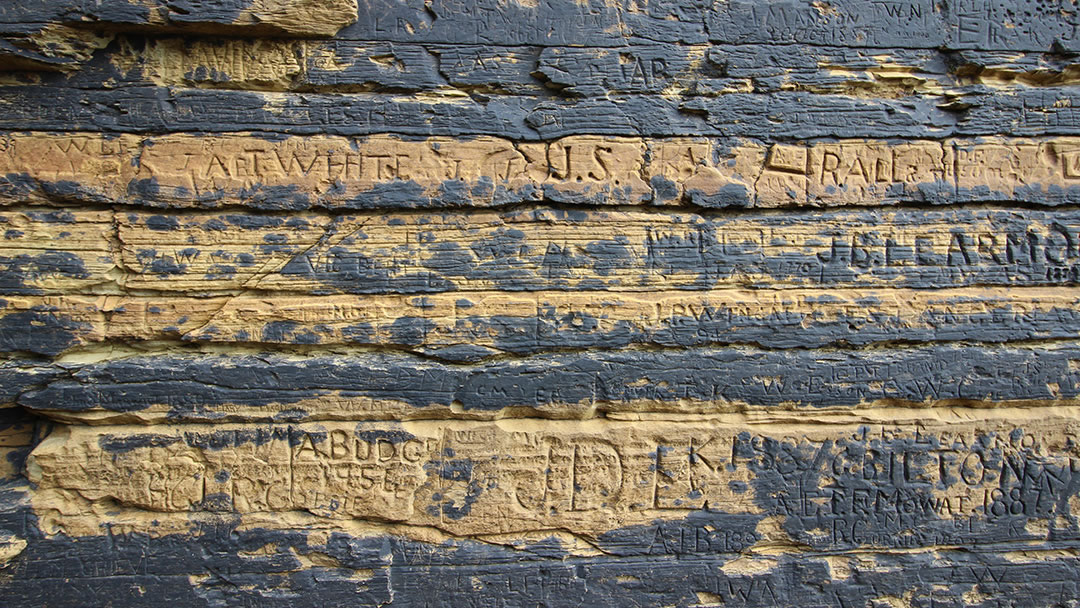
(540, 304)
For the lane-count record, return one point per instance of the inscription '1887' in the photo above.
(858, 482)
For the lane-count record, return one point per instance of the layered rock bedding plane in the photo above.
(540, 303)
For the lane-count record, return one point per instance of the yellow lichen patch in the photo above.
(974, 597)
(71, 46)
(265, 18)
(10, 547)
(707, 598)
(16, 438)
(318, 559)
(571, 544)
(300, 17)
(839, 566)
(1036, 555)
(1007, 77)
(890, 601)
(50, 251)
(887, 81)
(748, 566)
(242, 64)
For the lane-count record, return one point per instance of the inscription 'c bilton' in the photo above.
(855, 482)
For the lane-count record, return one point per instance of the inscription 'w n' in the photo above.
(902, 10)
(985, 574)
(772, 385)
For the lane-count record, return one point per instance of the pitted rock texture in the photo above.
(540, 303)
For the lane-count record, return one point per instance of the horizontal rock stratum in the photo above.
(297, 172)
(848, 481)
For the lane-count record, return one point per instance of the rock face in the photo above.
(540, 303)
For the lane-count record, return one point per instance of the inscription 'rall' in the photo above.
(387, 171)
